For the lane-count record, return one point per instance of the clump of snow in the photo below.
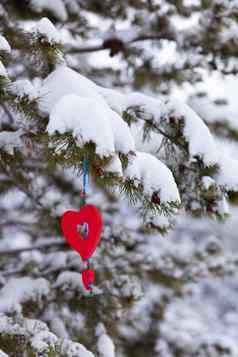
(65, 81)
(90, 120)
(147, 170)
(40, 338)
(228, 173)
(56, 7)
(23, 88)
(208, 182)
(4, 45)
(10, 140)
(114, 166)
(87, 121)
(223, 207)
(161, 221)
(46, 29)
(3, 71)
(123, 139)
(105, 345)
(43, 341)
(74, 349)
(153, 107)
(3, 354)
(196, 133)
(25, 289)
(70, 280)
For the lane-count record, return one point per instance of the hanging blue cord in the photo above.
(85, 175)
(85, 182)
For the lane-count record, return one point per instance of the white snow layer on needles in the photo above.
(4, 45)
(147, 170)
(152, 107)
(64, 81)
(19, 291)
(3, 354)
(92, 114)
(56, 7)
(45, 28)
(90, 120)
(196, 132)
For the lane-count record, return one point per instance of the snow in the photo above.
(208, 182)
(4, 45)
(196, 133)
(43, 340)
(74, 349)
(154, 175)
(189, 324)
(58, 327)
(105, 345)
(10, 140)
(86, 119)
(3, 354)
(56, 7)
(160, 221)
(223, 207)
(125, 35)
(154, 107)
(25, 289)
(231, 33)
(23, 88)
(70, 280)
(124, 141)
(213, 113)
(114, 166)
(40, 338)
(228, 173)
(46, 29)
(3, 71)
(65, 81)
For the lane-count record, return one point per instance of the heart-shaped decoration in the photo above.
(88, 277)
(82, 229)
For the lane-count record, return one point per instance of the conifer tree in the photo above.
(91, 81)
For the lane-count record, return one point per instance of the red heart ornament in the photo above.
(88, 216)
(88, 277)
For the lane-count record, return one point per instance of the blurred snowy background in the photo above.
(173, 295)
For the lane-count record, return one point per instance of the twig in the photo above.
(102, 47)
(53, 243)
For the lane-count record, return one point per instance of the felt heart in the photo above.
(82, 229)
(88, 277)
